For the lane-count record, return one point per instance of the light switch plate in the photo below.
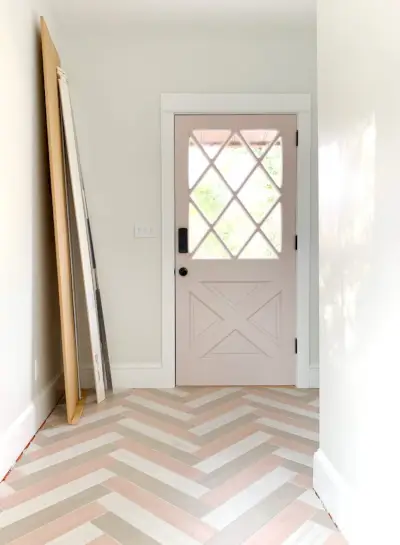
(145, 231)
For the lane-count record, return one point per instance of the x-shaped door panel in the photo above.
(237, 318)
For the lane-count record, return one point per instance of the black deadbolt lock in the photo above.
(183, 271)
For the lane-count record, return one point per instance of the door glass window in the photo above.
(258, 248)
(211, 195)
(235, 182)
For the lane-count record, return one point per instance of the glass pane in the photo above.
(272, 227)
(211, 248)
(211, 195)
(235, 228)
(211, 140)
(258, 248)
(235, 162)
(259, 140)
(197, 162)
(197, 228)
(273, 162)
(259, 195)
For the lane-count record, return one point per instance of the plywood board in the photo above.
(89, 279)
(51, 61)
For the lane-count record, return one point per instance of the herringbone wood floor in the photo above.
(215, 466)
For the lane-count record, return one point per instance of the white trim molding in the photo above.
(334, 493)
(314, 377)
(359, 511)
(25, 427)
(128, 375)
(175, 104)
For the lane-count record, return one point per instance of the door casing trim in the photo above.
(174, 104)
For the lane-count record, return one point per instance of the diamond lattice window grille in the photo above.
(235, 182)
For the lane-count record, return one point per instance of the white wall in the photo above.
(117, 74)
(29, 315)
(359, 119)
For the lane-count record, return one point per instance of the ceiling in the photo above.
(282, 10)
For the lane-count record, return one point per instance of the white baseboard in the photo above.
(334, 493)
(24, 428)
(366, 516)
(130, 375)
(148, 375)
(314, 377)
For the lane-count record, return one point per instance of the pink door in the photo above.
(235, 197)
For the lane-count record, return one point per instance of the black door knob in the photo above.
(183, 271)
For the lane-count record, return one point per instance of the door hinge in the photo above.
(297, 138)
(296, 242)
(295, 345)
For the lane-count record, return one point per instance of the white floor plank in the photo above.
(183, 484)
(69, 453)
(227, 513)
(159, 435)
(48, 499)
(234, 451)
(213, 396)
(141, 519)
(294, 430)
(222, 420)
(82, 535)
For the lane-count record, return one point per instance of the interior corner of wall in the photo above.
(23, 429)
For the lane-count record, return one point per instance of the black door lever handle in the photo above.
(183, 246)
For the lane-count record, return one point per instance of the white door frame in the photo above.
(173, 104)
